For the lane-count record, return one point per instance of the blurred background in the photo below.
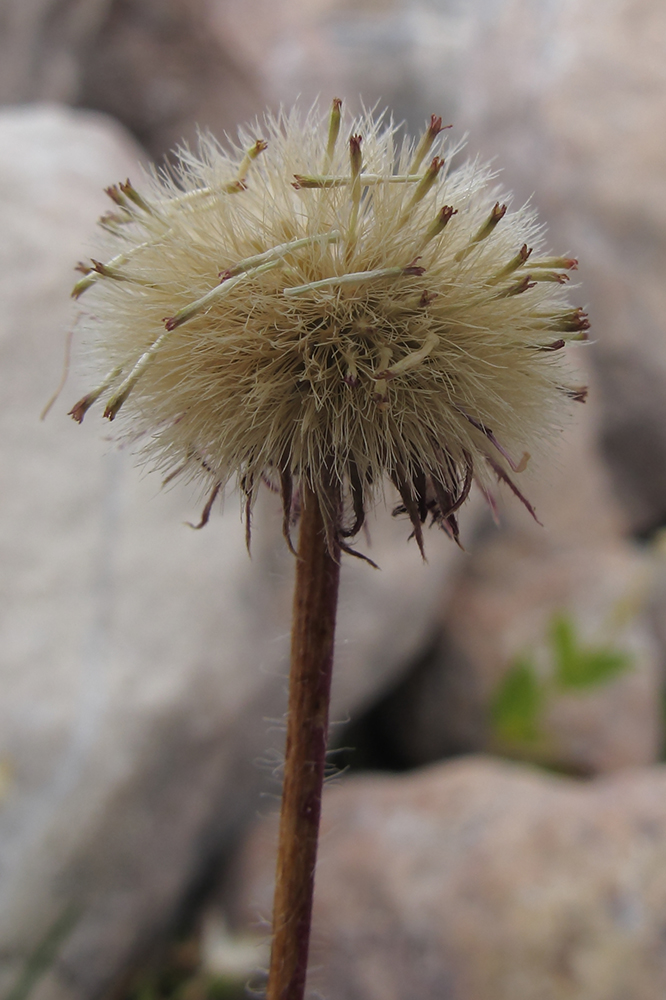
(497, 825)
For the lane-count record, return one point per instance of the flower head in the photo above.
(305, 307)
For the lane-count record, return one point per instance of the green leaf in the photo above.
(517, 704)
(578, 667)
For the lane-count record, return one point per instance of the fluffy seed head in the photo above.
(323, 302)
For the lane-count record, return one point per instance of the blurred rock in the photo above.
(571, 98)
(41, 45)
(160, 68)
(481, 880)
(545, 655)
(156, 65)
(394, 53)
(140, 660)
(547, 650)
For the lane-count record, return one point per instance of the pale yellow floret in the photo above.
(365, 180)
(334, 123)
(339, 280)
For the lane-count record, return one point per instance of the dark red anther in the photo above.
(557, 345)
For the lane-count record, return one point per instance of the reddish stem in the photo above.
(313, 628)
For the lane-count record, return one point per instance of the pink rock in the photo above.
(481, 880)
(571, 97)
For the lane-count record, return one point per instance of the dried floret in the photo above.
(301, 308)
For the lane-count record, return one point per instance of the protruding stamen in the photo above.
(518, 288)
(498, 212)
(567, 263)
(414, 269)
(83, 284)
(230, 187)
(111, 220)
(137, 371)
(135, 197)
(422, 188)
(439, 224)
(333, 131)
(575, 321)
(408, 303)
(250, 156)
(318, 181)
(331, 181)
(100, 270)
(80, 409)
(356, 278)
(427, 139)
(171, 323)
(277, 253)
(513, 264)
(555, 276)
(355, 158)
(557, 345)
(185, 314)
(577, 393)
(356, 165)
(116, 196)
(107, 270)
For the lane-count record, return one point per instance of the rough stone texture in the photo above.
(481, 880)
(156, 65)
(140, 660)
(571, 98)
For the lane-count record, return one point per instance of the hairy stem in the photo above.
(315, 605)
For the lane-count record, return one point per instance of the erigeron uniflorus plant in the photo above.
(328, 314)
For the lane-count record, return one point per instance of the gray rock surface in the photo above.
(156, 65)
(571, 97)
(482, 880)
(140, 660)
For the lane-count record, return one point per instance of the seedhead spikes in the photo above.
(498, 212)
(427, 140)
(333, 131)
(302, 309)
